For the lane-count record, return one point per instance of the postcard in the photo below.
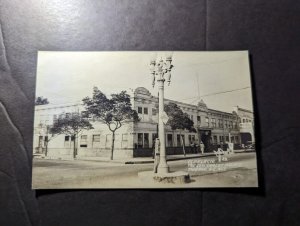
(143, 119)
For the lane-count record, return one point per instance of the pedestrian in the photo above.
(157, 155)
(192, 147)
(196, 148)
(202, 147)
(153, 148)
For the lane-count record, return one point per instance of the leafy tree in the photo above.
(178, 120)
(113, 112)
(41, 101)
(48, 137)
(72, 126)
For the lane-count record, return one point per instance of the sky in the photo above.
(221, 78)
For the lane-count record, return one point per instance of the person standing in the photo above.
(156, 154)
(202, 147)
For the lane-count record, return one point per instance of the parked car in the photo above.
(250, 146)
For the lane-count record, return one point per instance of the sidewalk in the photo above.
(137, 160)
(169, 158)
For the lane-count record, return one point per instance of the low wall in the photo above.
(59, 151)
(105, 152)
(89, 152)
(127, 153)
(148, 152)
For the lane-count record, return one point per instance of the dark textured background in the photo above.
(270, 30)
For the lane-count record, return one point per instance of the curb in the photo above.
(169, 160)
(140, 161)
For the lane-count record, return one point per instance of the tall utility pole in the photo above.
(161, 71)
(198, 126)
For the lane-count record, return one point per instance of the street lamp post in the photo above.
(161, 72)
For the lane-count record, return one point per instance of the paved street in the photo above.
(238, 171)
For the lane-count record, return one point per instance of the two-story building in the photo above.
(213, 128)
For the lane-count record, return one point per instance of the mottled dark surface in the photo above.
(269, 29)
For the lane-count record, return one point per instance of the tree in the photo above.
(178, 120)
(72, 126)
(41, 101)
(113, 112)
(47, 138)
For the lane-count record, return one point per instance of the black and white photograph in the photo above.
(143, 119)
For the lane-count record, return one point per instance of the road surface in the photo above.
(238, 171)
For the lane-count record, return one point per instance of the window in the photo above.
(96, 138)
(198, 119)
(146, 140)
(169, 140)
(215, 139)
(220, 123)
(207, 121)
(154, 111)
(143, 140)
(221, 139)
(96, 141)
(67, 142)
(227, 138)
(140, 110)
(213, 122)
(140, 140)
(83, 141)
(146, 111)
(225, 123)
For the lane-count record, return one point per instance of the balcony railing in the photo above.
(245, 125)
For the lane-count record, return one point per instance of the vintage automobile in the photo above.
(250, 146)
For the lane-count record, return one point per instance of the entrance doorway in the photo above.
(245, 138)
(205, 136)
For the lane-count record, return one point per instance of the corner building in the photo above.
(213, 127)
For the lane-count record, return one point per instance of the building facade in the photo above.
(213, 128)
